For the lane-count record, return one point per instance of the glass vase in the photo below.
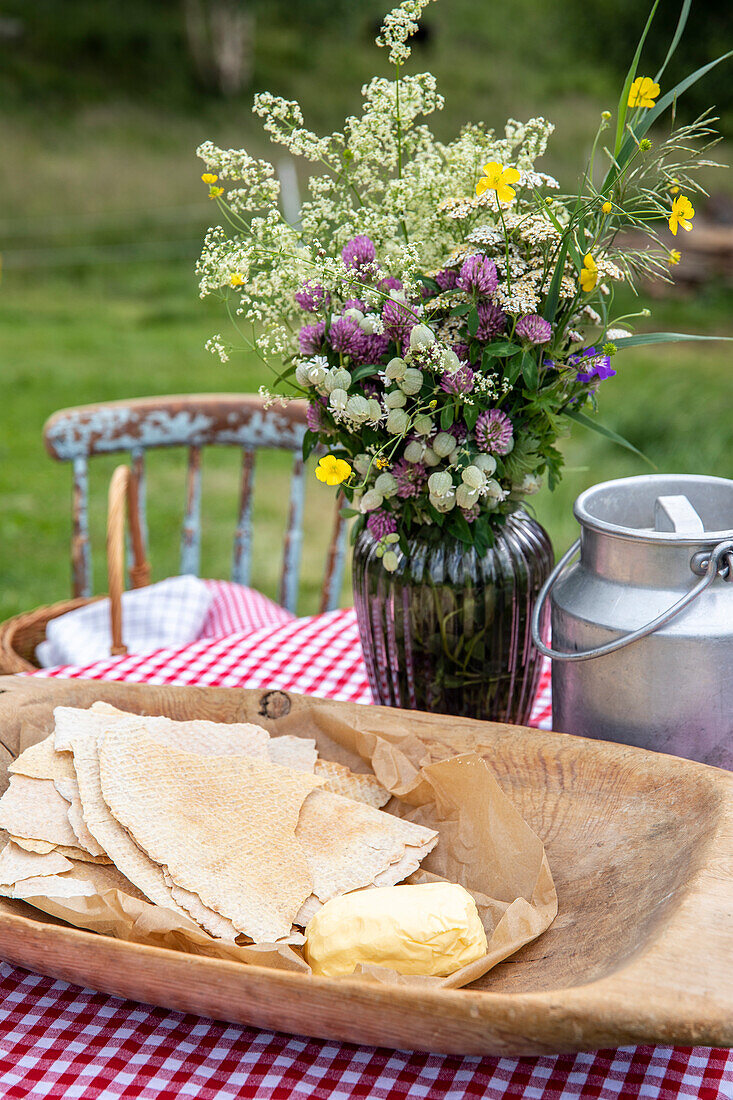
(449, 631)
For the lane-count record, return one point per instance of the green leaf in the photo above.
(364, 371)
(446, 416)
(470, 416)
(513, 369)
(473, 321)
(623, 103)
(310, 441)
(500, 349)
(601, 429)
(553, 294)
(529, 371)
(676, 38)
(459, 527)
(460, 310)
(349, 513)
(640, 338)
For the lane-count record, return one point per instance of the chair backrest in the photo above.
(194, 421)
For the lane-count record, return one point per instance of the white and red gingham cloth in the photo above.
(57, 1040)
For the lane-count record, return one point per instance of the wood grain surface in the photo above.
(641, 849)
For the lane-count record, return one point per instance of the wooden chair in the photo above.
(193, 421)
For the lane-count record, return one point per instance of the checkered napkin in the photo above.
(169, 613)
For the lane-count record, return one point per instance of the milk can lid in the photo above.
(685, 509)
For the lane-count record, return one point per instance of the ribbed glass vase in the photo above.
(449, 631)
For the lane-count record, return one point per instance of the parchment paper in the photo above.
(485, 845)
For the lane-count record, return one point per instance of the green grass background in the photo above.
(101, 217)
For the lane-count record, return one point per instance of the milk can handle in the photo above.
(712, 565)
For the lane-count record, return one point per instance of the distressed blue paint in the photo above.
(242, 557)
(191, 533)
(293, 538)
(113, 429)
(336, 580)
(81, 559)
(138, 468)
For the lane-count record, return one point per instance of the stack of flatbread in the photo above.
(246, 834)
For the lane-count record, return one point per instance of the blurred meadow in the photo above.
(103, 212)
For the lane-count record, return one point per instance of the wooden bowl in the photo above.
(641, 849)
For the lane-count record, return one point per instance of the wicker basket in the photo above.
(20, 635)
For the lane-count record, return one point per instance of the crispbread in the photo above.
(220, 826)
(206, 738)
(298, 753)
(80, 880)
(42, 847)
(16, 864)
(357, 785)
(33, 808)
(351, 845)
(42, 761)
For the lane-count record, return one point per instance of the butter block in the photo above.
(432, 929)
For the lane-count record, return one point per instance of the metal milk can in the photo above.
(642, 624)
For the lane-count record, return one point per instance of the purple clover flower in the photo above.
(595, 364)
(478, 276)
(380, 523)
(494, 432)
(460, 382)
(534, 328)
(373, 347)
(359, 253)
(389, 283)
(447, 279)
(345, 336)
(313, 418)
(355, 303)
(491, 321)
(398, 318)
(310, 338)
(411, 478)
(312, 297)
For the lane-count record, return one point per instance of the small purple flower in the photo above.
(399, 320)
(595, 365)
(380, 523)
(370, 388)
(461, 381)
(447, 279)
(471, 514)
(494, 432)
(345, 336)
(389, 283)
(491, 321)
(478, 276)
(359, 253)
(534, 328)
(372, 348)
(355, 303)
(310, 337)
(312, 297)
(411, 478)
(313, 418)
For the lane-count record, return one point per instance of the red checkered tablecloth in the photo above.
(57, 1040)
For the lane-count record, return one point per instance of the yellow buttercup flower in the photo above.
(209, 177)
(674, 257)
(381, 463)
(643, 92)
(332, 470)
(215, 192)
(498, 178)
(682, 214)
(236, 279)
(589, 274)
(607, 207)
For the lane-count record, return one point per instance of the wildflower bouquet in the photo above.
(446, 312)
